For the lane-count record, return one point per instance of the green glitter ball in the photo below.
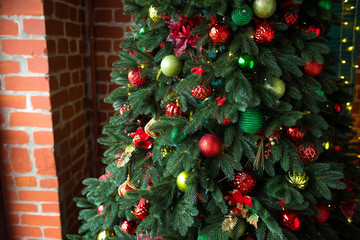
(141, 32)
(251, 121)
(326, 4)
(247, 62)
(171, 66)
(242, 15)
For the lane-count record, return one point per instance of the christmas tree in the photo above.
(229, 123)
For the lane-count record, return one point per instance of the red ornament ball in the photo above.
(308, 153)
(313, 69)
(219, 34)
(123, 109)
(100, 208)
(173, 108)
(294, 133)
(323, 213)
(141, 210)
(135, 79)
(264, 33)
(210, 145)
(129, 227)
(317, 28)
(338, 107)
(201, 92)
(290, 18)
(244, 181)
(291, 219)
(337, 148)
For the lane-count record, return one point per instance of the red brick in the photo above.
(41, 102)
(63, 45)
(109, 31)
(100, 61)
(8, 27)
(54, 27)
(19, 83)
(12, 101)
(18, 230)
(73, 30)
(48, 207)
(45, 161)
(44, 138)
(34, 26)
(23, 47)
(13, 218)
(2, 119)
(103, 75)
(59, 99)
(51, 46)
(40, 220)
(107, 4)
(13, 137)
(52, 233)
(120, 17)
(61, 10)
(9, 195)
(65, 79)
(22, 207)
(7, 180)
(20, 160)
(73, 46)
(9, 67)
(25, 181)
(49, 183)
(67, 112)
(74, 62)
(38, 65)
(73, 13)
(30, 119)
(76, 93)
(103, 15)
(21, 7)
(111, 59)
(39, 196)
(57, 63)
(117, 47)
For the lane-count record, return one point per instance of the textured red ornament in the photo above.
(219, 34)
(210, 145)
(291, 219)
(317, 28)
(323, 213)
(201, 92)
(294, 133)
(141, 210)
(135, 79)
(244, 181)
(308, 153)
(125, 187)
(173, 109)
(313, 69)
(100, 208)
(264, 33)
(290, 18)
(129, 227)
(124, 108)
(338, 107)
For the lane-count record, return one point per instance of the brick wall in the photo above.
(28, 172)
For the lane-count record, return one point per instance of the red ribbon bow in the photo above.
(220, 100)
(197, 70)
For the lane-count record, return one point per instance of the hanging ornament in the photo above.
(296, 180)
(165, 150)
(201, 92)
(171, 66)
(141, 32)
(313, 69)
(147, 127)
(338, 107)
(290, 18)
(242, 15)
(251, 121)
(175, 137)
(173, 108)
(295, 134)
(153, 13)
(210, 145)
(348, 208)
(124, 108)
(135, 79)
(337, 148)
(247, 62)
(323, 213)
(141, 211)
(181, 180)
(244, 181)
(106, 234)
(264, 8)
(278, 87)
(264, 33)
(126, 186)
(291, 219)
(219, 34)
(326, 4)
(317, 28)
(100, 208)
(129, 226)
(308, 153)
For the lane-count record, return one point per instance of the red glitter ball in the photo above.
(264, 33)
(201, 92)
(324, 212)
(313, 69)
(294, 133)
(219, 34)
(135, 79)
(173, 109)
(308, 153)
(210, 145)
(129, 227)
(244, 181)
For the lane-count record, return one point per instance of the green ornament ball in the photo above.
(278, 87)
(181, 180)
(106, 234)
(326, 4)
(247, 62)
(171, 66)
(251, 121)
(175, 137)
(264, 8)
(242, 15)
(238, 230)
(141, 32)
(202, 237)
(320, 92)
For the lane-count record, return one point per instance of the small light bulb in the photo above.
(350, 48)
(252, 36)
(357, 28)
(343, 61)
(230, 54)
(346, 23)
(346, 82)
(345, 1)
(344, 40)
(352, 7)
(356, 66)
(348, 104)
(342, 77)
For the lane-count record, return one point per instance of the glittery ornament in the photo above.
(251, 121)
(153, 13)
(244, 181)
(100, 208)
(264, 33)
(141, 32)
(210, 145)
(176, 137)
(126, 186)
(129, 227)
(173, 109)
(135, 79)
(277, 86)
(317, 28)
(308, 153)
(323, 212)
(165, 150)
(326, 4)
(264, 8)
(313, 69)
(181, 180)
(106, 234)
(295, 134)
(124, 108)
(242, 15)
(291, 219)
(171, 66)
(290, 18)
(201, 92)
(219, 34)
(247, 62)
(141, 211)
(296, 180)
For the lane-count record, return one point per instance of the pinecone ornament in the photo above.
(244, 181)
(141, 210)
(201, 92)
(308, 153)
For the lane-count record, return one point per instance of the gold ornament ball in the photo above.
(264, 8)
(181, 180)
(171, 66)
(278, 87)
(153, 13)
(299, 181)
(106, 234)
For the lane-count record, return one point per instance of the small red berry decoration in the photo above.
(210, 145)
(308, 153)
(219, 34)
(129, 227)
(313, 69)
(135, 79)
(123, 109)
(244, 181)
(201, 92)
(323, 213)
(295, 134)
(291, 219)
(173, 108)
(141, 210)
(264, 33)
(100, 208)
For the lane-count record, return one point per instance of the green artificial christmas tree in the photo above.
(229, 124)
